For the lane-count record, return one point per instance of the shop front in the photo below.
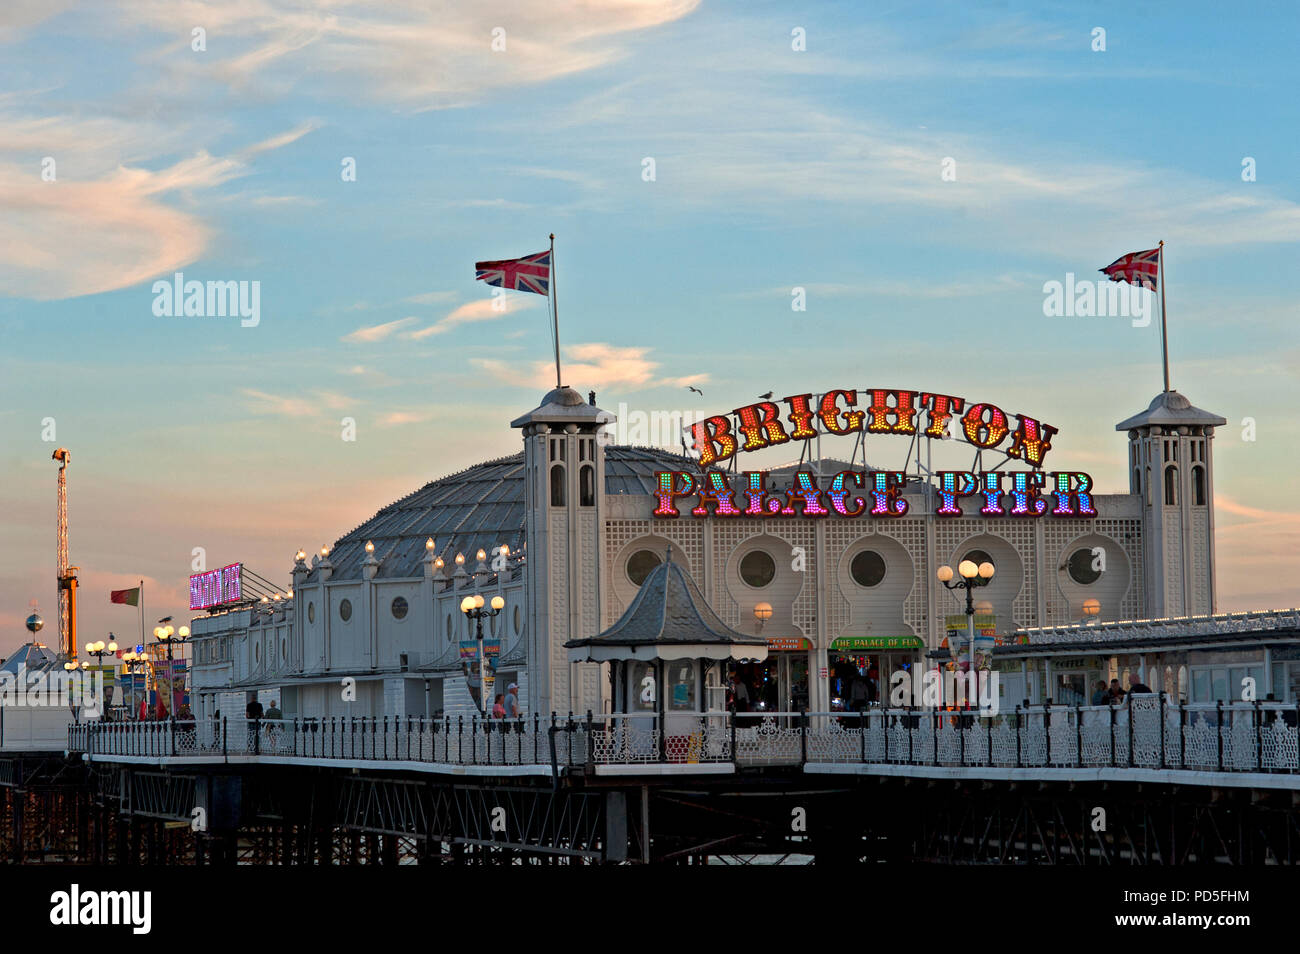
(860, 668)
(778, 683)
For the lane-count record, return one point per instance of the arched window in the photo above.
(1137, 480)
(1171, 486)
(1198, 486)
(1182, 682)
(557, 485)
(1147, 484)
(587, 486)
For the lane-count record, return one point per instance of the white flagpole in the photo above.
(1164, 332)
(555, 313)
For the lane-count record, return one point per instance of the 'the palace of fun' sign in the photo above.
(874, 493)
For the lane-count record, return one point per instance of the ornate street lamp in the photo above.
(170, 636)
(472, 607)
(972, 576)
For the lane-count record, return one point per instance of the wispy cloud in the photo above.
(94, 228)
(260, 402)
(397, 418)
(370, 376)
(432, 298)
(596, 365)
(484, 309)
(373, 333)
(419, 53)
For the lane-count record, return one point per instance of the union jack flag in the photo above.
(1136, 268)
(532, 273)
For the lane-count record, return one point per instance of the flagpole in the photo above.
(1164, 332)
(555, 318)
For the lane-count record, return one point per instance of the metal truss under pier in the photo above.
(54, 809)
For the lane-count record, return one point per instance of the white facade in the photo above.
(378, 633)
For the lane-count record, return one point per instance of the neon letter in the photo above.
(954, 484)
(1031, 441)
(1076, 502)
(753, 426)
(711, 431)
(888, 485)
(902, 411)
(666, 492)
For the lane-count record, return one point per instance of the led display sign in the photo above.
(879, 411)
(217, 587)
(852, 493)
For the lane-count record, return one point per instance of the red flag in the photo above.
(130, 597)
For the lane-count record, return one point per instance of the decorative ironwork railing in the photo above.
(1148, 732)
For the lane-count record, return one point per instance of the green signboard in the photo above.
(857, 644)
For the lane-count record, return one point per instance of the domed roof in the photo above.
(1170, 408)
(564, 397)
(479, 508)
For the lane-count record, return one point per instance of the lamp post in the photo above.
(169, 636)
(472, 607)
(971, 577)
(99, 650)
(74, 691)
(128, 660)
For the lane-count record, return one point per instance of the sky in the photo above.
(919, 171)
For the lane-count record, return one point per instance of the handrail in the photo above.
(1147, 732)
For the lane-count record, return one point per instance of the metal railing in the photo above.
(1149, 732)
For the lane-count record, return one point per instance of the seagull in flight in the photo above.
(765, 397)
(696, 390)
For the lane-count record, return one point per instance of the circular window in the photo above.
(311, 612)
(640, 564)
(1084, 567)
(519, 616)
(345, 610)
(867, 568)
(979, 556)
(757, 568)
(399, 607)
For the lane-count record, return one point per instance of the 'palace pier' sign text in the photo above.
(853, 493)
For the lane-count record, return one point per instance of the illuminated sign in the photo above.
(217, 587)
(852, 493)
(848, 644)
(789, 644)
(881, 411)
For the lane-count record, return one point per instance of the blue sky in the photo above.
(775, 168)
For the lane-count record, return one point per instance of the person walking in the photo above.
(512, 701)
(253, 713)
(499, 707)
